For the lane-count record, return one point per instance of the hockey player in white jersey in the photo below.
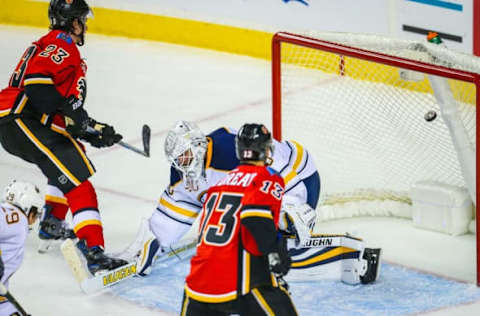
(199, 161)
(21, 203)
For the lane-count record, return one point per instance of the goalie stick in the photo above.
(315, 241)
(88, 283)
(92, 284)
(145, 140)
(11, 299)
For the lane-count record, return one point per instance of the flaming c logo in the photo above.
(69, 1)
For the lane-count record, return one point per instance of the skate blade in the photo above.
(44, 245)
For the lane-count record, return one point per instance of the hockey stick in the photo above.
(11, 299)
(145, 140)
(92, 284)
(88, 283)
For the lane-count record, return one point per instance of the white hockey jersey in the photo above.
(178, 208)
(13, 233)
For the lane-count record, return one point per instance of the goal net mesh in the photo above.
(365, 123)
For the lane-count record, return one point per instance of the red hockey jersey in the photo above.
(52, 60)
(228, 262)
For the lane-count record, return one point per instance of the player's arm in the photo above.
(259, 225)
(176, 211)
(258, 222)
(44, 97)
(55, 81)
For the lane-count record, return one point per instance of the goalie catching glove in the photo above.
(103, 135)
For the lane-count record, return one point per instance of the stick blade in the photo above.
(146, 139)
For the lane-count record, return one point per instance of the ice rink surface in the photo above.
(133, 82)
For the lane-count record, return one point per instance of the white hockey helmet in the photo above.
(185, 148)
(24, 195)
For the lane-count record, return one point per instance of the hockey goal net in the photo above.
(379, 116)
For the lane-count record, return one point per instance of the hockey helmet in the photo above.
(62, 13)
(185, 148)
(253, 143)
(23, 195)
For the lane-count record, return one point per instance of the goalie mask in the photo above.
(185, 148)
(23, 195)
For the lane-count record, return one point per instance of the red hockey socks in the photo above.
(87, 223)
(57, 202)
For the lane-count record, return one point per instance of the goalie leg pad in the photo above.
(352, 269)
(147, 256)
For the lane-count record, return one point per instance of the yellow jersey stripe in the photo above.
(30, 81)
(274, 280)
(82, 154)
(59, 130)
(292, 174)
(209, 298)
(44, 119)
(327, 255)
(185, 306)
(47, 152)
(56, 199)
(177, 209)
(86, 223)
(62, 131)
(21, 105)
(246, 272)
(4, 112)
(261, 301)
(265, 214)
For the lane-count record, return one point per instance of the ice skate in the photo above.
(97, 260)
(51, 229)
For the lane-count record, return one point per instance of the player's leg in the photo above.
(164, 231)
(6, 307)
(64, 163)
(267, 300)
(52, 223)
(191, 307)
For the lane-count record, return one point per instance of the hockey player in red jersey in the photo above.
(42, 119)
(241, 256)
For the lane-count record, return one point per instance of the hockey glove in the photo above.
(279, 261)
(76, 118)
(103, 135)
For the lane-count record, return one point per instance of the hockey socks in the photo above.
(56, 202)
(87, 223)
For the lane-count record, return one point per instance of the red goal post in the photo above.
(305, 69)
